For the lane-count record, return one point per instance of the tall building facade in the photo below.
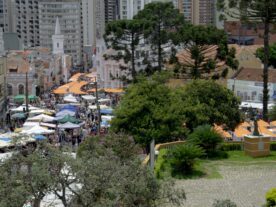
(129, 8)
(88, 21)
(69, 13)
(201, 12)
(21, 16)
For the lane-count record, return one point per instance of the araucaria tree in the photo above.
(125, 36)
(205, 52)
(165, 20)
(255, 11)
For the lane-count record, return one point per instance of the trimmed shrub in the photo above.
(231, 146)
(207, 138)
(273, 146)
(271, 197)
(182, 158)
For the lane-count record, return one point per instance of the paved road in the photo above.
(245, 185)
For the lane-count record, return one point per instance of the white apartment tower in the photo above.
(69, 13)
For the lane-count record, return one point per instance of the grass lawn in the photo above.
(208, 168)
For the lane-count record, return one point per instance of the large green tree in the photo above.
(272, 55)
(255, 11)
(124, 36)
(207, 102)
(150, 110)
(165, 20)
(205, 52)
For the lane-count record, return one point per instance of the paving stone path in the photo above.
(244, 185)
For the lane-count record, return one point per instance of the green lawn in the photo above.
(209, 168)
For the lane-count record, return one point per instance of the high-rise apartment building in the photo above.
(197, 11)
(21, 16)
(69, 13)
(129, 8)
(89, 22)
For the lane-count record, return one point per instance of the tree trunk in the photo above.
(159, 48)
(36, 202)
(133, 71)
(265, 70)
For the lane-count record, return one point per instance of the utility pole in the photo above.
(26, 95)
(98, 107)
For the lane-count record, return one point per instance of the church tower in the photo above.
(58, 40)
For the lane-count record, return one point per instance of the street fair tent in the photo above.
(72, 87)
(37, 112)
(63, 113)
(70, 98)
(23, 107)
(89, 97)
(37, 130)
(69, 107)
(40, 137)
(104, 100)
(107, 111)
(20, 98)
(114, 90)
(107, 117)
(18, 116)
(69, 118)
(42, 117)
(68, 125)
(94, 107)
(12, 139)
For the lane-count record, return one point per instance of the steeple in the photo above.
(58, 40)
(57, 29)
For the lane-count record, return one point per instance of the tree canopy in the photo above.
(254, 11)
(205, 52)
(124, 36)
(165, 20)
(207, 102)
(150, 110)
(272, 55)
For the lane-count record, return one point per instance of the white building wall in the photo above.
(250, 90)
(89, 22)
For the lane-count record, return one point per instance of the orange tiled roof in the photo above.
(75, 77)
(72, 87)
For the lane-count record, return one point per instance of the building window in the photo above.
(9, 90)
(1, 93)
(21, 89)
(57, 45)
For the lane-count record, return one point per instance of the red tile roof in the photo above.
(253, 74)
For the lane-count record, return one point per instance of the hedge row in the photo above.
(228, 146)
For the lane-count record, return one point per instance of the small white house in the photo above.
(247, 83)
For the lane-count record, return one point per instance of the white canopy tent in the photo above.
(89, 97)
(94, 107)
(63, 113)
(70, 98)
(42, 117)
(22, 107)
(254, 105)
(68, 125)
(37, 130)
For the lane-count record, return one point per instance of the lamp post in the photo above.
(97, 104)
(26, 95)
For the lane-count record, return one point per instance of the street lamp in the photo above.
(97, 104)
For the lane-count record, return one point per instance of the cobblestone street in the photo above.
(244, 185)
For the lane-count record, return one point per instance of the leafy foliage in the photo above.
(124, 36)
(207, 138)
(205, 52)
(182, 158)
(271, 197)
(272, 55)
(207, 102)
(272, 113)
(165, 20)
(150, 110)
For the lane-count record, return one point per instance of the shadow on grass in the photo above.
(191, 175)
